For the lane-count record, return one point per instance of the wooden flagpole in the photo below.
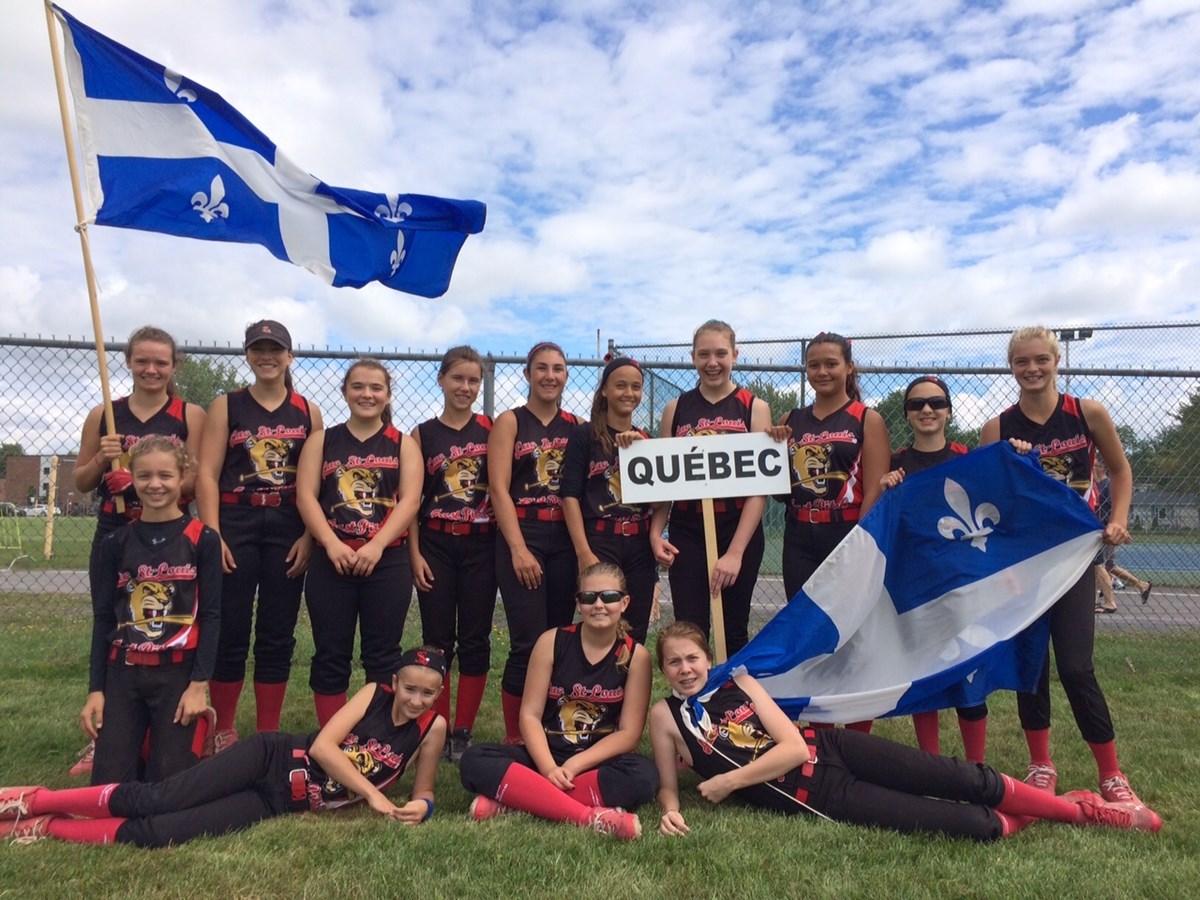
(82, 228)
(716, 603)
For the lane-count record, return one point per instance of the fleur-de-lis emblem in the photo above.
(393, 210)
(398, 254)
(211, 207)
(975, 527)
(173, 80)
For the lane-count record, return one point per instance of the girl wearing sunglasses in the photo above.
(927, 408)
(582, 715)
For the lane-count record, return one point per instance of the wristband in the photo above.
(429, 814)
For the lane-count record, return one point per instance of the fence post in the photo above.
(489, 386)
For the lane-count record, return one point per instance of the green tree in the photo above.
(1175, 459)
(201, 379)
(780, 402)
(7, 450)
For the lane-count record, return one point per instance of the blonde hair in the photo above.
(160, 443)
(718, 326)
(1033, 333)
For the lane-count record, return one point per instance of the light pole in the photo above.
(1067, 336)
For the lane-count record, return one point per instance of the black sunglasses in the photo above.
(587, 598)
(918, 403)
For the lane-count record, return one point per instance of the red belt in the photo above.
(447, 526)
(359, 543)
(151, 658)
(821, 516)
(541, 513)
(720, 506)
(622, 527)
(298, 777)
(259, 498)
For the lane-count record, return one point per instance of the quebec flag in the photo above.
(163, 153)
(938, 598)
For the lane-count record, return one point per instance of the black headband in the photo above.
(428, 659)
(928, 379)
(616, 364)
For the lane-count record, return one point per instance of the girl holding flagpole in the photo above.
(1067, 431)
(741, 743)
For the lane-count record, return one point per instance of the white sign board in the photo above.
(691, 468)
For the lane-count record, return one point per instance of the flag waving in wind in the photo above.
(163, 153)
(937, 599)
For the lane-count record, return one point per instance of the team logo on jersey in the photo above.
(1060, 468)
(812, 468)
(549, 470)
(269, 457)
(579, 720)
(461, 479)
(149, 606)
(745, 736)
(357, 486)
(363, 760)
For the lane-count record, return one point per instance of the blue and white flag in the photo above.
(937, 599)
(163, 153)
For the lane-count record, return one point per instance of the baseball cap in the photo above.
(268, 330)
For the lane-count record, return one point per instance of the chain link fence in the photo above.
(1144, 376)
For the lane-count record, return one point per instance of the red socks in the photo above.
(1106, 758)
(268, 705)
(926, 726)
(441, 705)
(468, 700)
(1038, 740)
(1010, 824)
(587, 788)
(974, 738)
(224, 695)
(327, 705)
(85, 831)
(88, 801)
(524, 789)
(511, 706)
(1021, 799)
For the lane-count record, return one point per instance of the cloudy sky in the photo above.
(788, 166)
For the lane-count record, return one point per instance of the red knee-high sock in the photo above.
(268, 704)
(524, 789)
(510, 704)
(85, 831)
(864, 727)
(926, 726)
(587, 788)
(441, 705)
(1010, 824)
(470, 696)
(199, 736)
(1038, 740)
(224, 695)
(1021, 799)
(87, 801)
(974, 738)
(1106, 758)
(327, 705)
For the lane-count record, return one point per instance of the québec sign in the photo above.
(691, 468)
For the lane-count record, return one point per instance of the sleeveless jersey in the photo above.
(538, 458)
(912, 460)
(264, 446)
(826, 458)
(157, 595)
(594, 478)
(455, 460)
(584, 700)
(1064, 443)
(732, 729)
(360, 481)
(380, 749)
(170, 421)
(695, 416)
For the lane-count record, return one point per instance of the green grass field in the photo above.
(731, 852)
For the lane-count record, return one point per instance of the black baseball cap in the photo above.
(268, 330)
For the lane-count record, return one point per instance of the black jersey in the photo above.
(170, 420)
(584, 700)
(380, 749)
(913, 460)
(696, 416)
(593, 477)
(360, 481)
(826, 458)
(1064, 443)
(538, 458)
(455, 460)
(264, 445)
(733, 737)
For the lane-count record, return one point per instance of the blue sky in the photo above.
(790, 167)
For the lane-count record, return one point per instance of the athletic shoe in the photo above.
(210, 737)
(1146, 593)
(459, 741)
(1116, 789)
(12, 801)
(1097, 811)
(26, 831)
(622, 825)
(83, 765)
(1042, 776)
(484, 808)
(223, 740)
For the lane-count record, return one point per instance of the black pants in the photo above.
(138, 699)
(375, 604)
(689, 579)
(626, 781)
(633, 554)
(867, 780)
(260, 538)
(457, 613)
(531, 612)
(244, 784)
(805, 546)
(1072, 634)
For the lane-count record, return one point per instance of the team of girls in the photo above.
(602, 526)
(740, 742)
(151, 407)
(453, 551)
(535, 559)
(156, 606)
(358, 485)
(715, 406)
(583, 711)
(246, 492)
(358, 755)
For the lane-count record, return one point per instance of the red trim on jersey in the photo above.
(745, 397)
(569, 418)
(175, 408)
(1071, 405)
(392, 432)
(857, 409)
(300, 403)
(193, 530)
(960, 449)
(484, 421)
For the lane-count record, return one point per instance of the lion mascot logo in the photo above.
(579, 720)
(357, 486)
(811, 466)
(149, 604)
(461, 479)
(746, 736)
(269, 457)
(549, 469)
(1059, 468)
(362, 760)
